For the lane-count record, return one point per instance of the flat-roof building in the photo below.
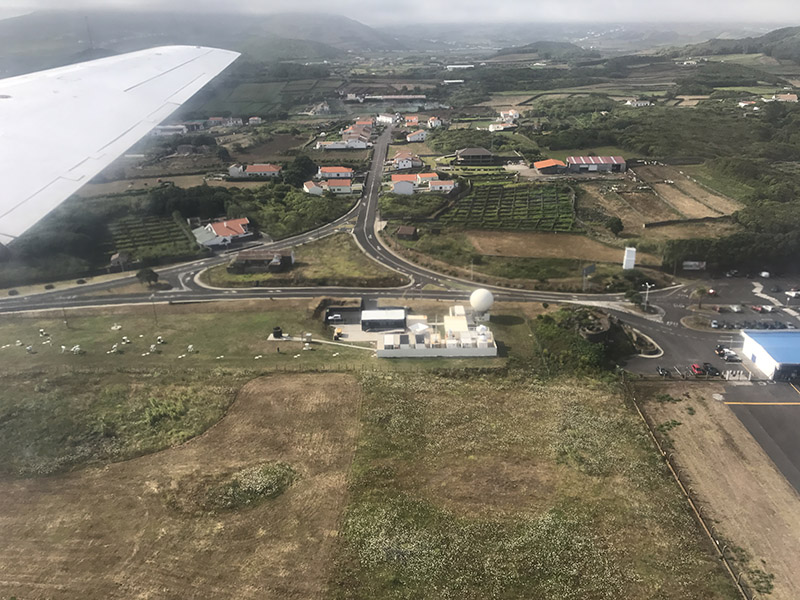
(775, 353)
(595, 164)
(383, 319)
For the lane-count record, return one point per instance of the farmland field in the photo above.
(146, 236)
(522, 206)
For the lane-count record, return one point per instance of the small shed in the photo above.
(407, 232)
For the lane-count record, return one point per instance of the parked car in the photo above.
(711, 370)
(714, 324)
(731, 356)
(712, 292)
(720, 350)
(757, 307)
(697, 369)
(736, 308)
(663, 372)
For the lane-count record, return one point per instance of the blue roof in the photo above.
(783, 346)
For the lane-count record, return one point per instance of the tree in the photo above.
(700, 293)
(615, 225)
(147, 277)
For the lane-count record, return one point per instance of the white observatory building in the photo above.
(461, 334)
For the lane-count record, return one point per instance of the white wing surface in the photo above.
(61, 127)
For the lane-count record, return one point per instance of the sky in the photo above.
(380, 12)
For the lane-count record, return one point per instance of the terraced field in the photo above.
(149, 236)
(519, 207)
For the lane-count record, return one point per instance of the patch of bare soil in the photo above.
(690, 198)
(740, 489)
(109, 533)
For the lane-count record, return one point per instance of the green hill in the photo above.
(549, 50)
(781, 44)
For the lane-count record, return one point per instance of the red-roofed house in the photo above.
(404, 184)
(412, 121)
(222, 233)
(340, 186)
(418, 136)
(312, 187)
(442, 186)
(334, 173)
(265, 170)
(426, 177)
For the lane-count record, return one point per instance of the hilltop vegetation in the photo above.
(550, 50)
(782, 44)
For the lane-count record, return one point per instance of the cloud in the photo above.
(499, 11)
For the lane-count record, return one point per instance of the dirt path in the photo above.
(689, 197)
(739, 487)
(107, 532)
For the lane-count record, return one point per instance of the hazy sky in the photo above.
(382, 12)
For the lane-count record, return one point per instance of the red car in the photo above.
(697, 369)
(758, 309)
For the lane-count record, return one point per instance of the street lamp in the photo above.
(647, 287)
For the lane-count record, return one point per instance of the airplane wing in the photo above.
(61, 127)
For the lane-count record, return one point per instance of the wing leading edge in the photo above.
(61, 127)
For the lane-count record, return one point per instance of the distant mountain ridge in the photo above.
(548, 50)
(782, 43)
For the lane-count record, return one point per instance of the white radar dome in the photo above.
(481, 300)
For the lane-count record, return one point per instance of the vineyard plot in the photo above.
(146, 236)
(519, 207)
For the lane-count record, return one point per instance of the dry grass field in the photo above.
(110, 532)
(687, 197)
(549, 245)
(740, 489)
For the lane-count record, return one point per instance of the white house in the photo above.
(387, 119)
(404, 188)
(638, 103)
(405, 160)
(236, 171)
(263, 170)
(434, 122)
(442, 186)
(404, 184)
(340, 186)
(423, 178)
(254, 121)
(334, 173)
(313, 188)
(351, 143)
(222, 233)
(501, 126)
(417, 136)
(508, 116)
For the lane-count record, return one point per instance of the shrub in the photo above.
(250, 486)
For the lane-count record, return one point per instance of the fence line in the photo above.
(734, 572)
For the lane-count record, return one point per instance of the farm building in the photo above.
(388, 119)
(265, 170)
(417, 136)
(776, 353)
(352, 142)
(260, 260)
(502, 127)
(166, 130)
(223, 233)
(474, 156)
(595, 164)
(638, 103)
(508, 116)
(550, 166)
(406, 232)
(334, 173)
(383, 319)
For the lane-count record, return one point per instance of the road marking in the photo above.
(764, 403)
(794, 388)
